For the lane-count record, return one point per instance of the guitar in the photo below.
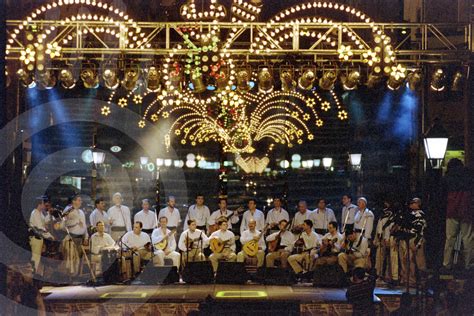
(217, 245)
(214, 227)
(164, 242)
(326, 247)
(273, 245)
(250, 248)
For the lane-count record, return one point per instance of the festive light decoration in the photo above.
(252, 164)
(105, 110)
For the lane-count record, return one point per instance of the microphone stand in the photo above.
(120, 243)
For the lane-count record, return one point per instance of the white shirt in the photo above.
(364, 220)
(158, 235)
(133, 240)
(276, 215)
(311, 240)
(380, 231)
(37, 219)
(338, 243)
(120, 216)
(197, 237)
(257, 216)
(98, 242)
(287, 239)
(348, 214)
(360, 250)
(216, 214)
(173, 216)
(97, 216)
(199, 213)
(300, 218)
(248, 235)
(75, 222)
(227, 237)
(148, 219)
(321, 218)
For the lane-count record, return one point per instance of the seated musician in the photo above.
(306, 246)
(100, 241)
(191, 242)
(252, 234)
(280, 245)
(138, 243)
(228, 239)
(164, 238)
(331, 246)
(354, 251)
(231, 216)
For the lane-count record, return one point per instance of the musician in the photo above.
(276, 214)
(364, 219)
(321, 217)
(354, 251)
(120, 219)
(99, 241)
(147, 217)
(254, 213)
(138, 243)
(100, 215)
(348, 211)
(330, 246)
(191, 242)
(252, 234)
(309, 241)
(158, 235)
(284, 246)
(228, 238)
(300, 216)
(37, 222)
(232, 216)
(199, 212)
(171, 213)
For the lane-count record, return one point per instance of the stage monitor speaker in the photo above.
(329, 276)
(278, 276)
(198, 273)
(152, 275)
(231, 273)
(111, 270)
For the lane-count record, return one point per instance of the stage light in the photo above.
(436, 143)
(153, 78)
(287, 81)
(351, 81)
(110, 77)
(98, 157)
(243, 78)
(373, 80)
(327, 163)
(307, 79)
(89, 77)
(457, 81)
(198, 84)
(131, 75)
(143, 160)
(438, 80)
(327, 80)
(265, 81)
(26, 79)
(396, 78)
(46, 79)
(413, 80)
(67, 78)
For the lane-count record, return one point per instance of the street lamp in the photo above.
(98, 158)
(436, 143)
(143, 160)
(355, 160)
(327, 163)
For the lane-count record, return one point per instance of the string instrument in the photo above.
(273, 245)
(217, 245)
(327, 247)
(215, 227)
(164, 242)
(347, 247)
(250, 248)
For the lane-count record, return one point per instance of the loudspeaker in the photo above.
(152, 275)
(278, 276)
(110, 268)
(231, 273)
(329, 276)
(198, 273)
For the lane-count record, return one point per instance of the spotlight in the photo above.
(110, 77)
(287, 81)
(351, 81)
(26, 78)
(265, 81)
(327, 80)
(89, 77)
(373, 80)
(243, 78)
(457, 81)
(413, 80)
(198, 84)
(67, 78)
(129, 82)
(153, 78)
(438, 80)
(307, 79)
(396, 78)
(46, 79)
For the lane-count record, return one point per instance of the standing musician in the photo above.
(199, 212)
(330, 246)
(100, 215)
(119, 216)
(171, 213)
(227, 238)
(164, 235)
(147, 217)
(348, 212)
(38, 224)
(139, 244)
(276, 214)
(280, 246)
(321, 217)
(98, 242)
(231, 216)
(254, 213)
(257, 236)
(309, 242)
(354, 251)
(191, 242)
(300, 216)
(364, 219)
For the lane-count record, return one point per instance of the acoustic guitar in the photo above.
(250, 248)
(214, 227)
(164, 242)
(217, 245)
(273, 245)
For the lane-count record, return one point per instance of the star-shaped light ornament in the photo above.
(122, 102)
(105, 110)
(137, 99)
(325, 106)
(342, 115)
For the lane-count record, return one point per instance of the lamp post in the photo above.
(436, 143)
(98, 158)
(355, 160)
(327, 163)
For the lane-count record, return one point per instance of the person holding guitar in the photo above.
(354, 251)
(253, 244)
(280, 245)
(330, 246)
(231, 216)
(164, 243)
(191, 242)
(307, 253)
(222, 244)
